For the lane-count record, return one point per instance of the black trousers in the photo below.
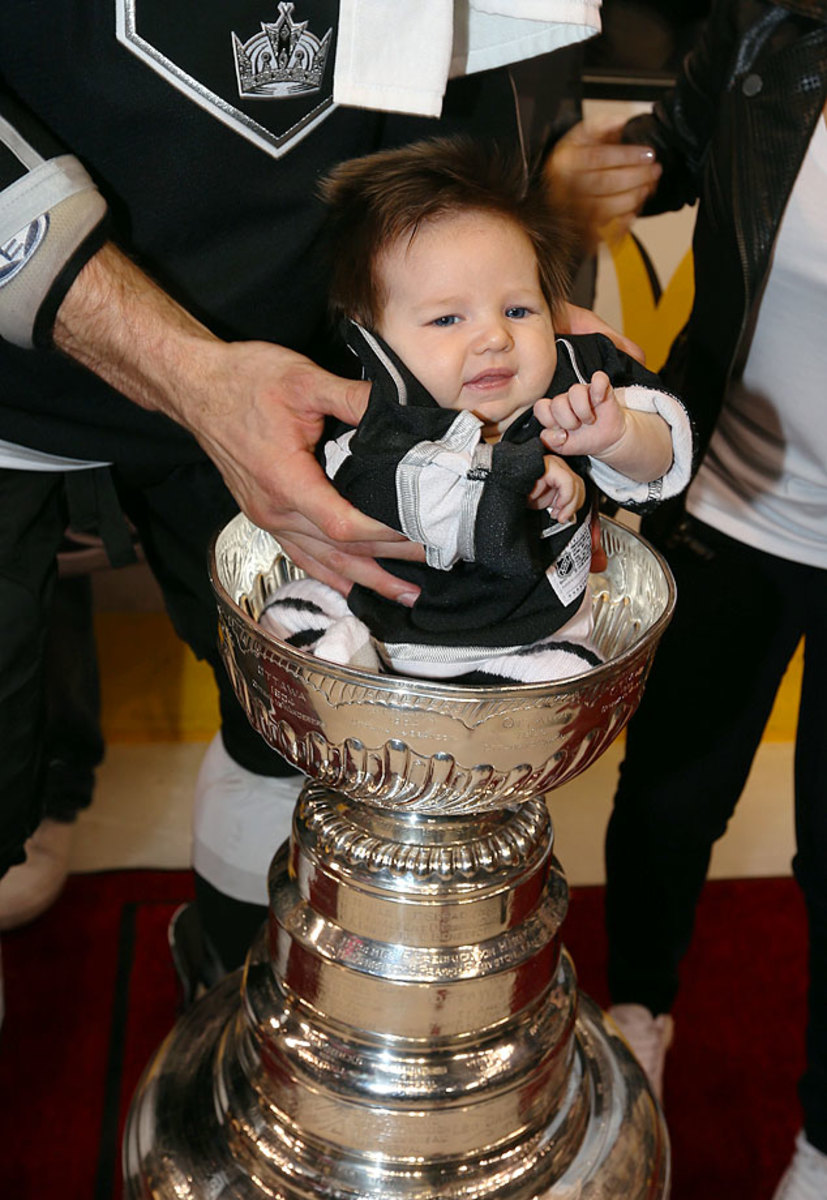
(72, 739)
(176, 516)
(739, 617)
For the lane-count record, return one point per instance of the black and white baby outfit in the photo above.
(504, 588)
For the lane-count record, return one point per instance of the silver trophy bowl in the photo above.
(412, 745)
(408, 1024)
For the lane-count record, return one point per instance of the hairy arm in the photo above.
(257, 409)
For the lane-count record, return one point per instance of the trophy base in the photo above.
(181, 1140)
(408, 1025)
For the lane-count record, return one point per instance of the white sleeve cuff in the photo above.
(630, 493)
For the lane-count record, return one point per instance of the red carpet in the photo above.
(90, 993)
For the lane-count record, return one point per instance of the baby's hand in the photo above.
(559, 489)
(587, 419)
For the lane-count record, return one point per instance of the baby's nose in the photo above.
(494, 335)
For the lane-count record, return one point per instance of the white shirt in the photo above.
(764, 478)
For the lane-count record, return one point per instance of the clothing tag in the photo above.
(555, 527)
(569, 573)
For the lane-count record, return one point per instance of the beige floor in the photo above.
(142, 808)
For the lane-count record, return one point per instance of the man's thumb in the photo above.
(349, 400)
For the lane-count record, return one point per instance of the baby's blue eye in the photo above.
(441, 322)
(517, 311)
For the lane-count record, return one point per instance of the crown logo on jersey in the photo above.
(285, 59)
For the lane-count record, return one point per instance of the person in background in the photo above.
(744, 132)
(451, 269)
(73, 746)
(164, 339)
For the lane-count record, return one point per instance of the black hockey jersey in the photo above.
(207, 139)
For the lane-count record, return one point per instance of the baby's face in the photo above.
(465, 312)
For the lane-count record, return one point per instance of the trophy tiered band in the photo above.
(408, 1025)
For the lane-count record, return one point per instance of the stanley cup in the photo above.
(408, 1024)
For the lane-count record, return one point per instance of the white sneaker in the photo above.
(31, 887)
(648, 1038)
(806, 1176)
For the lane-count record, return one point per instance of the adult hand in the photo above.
(256, 408)
(259, 421)
(583, 320)
(601, 180)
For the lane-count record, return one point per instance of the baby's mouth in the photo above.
(494, 377)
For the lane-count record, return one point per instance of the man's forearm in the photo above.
(117, 322)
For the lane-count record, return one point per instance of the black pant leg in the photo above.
(689, 750)
(176, 518)
(32, 521)
(72, 732)
(810, 863)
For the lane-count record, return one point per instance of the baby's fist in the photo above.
(587, 419)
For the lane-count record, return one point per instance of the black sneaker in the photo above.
(196, 962)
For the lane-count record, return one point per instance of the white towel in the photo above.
(397, 55)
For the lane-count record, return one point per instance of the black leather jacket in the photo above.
(732, 134)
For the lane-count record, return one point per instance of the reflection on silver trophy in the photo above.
(408, 1023)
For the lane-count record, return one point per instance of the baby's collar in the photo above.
(379, 362)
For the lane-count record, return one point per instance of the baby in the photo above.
(486, 435)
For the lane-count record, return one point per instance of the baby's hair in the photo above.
(376, 200)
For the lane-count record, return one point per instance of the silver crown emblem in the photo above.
(284, 59)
